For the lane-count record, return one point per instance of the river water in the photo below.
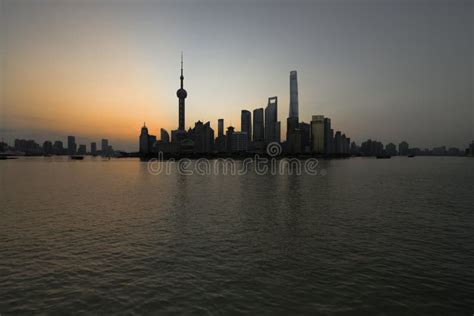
(366, 236)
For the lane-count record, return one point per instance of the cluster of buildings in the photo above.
(261, 127)
(30, 147)
(258, 129)
(375, 148)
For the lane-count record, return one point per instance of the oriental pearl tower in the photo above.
(181, 94)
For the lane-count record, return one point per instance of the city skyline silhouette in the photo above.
(98, 70)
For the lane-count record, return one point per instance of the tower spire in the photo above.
(181, 94)
(182, 76)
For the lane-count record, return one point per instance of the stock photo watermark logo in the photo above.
(260, 165)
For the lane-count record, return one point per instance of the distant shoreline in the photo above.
(237, 156)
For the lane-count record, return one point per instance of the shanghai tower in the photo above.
(181, 94)
(293, 95)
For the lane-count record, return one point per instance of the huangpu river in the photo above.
(366, 236)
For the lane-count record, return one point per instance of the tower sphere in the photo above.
(181, 93)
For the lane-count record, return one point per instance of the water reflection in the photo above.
(108, 237)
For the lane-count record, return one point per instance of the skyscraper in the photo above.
(239, 142)
(338, 143)
(293, 132)
(220, 127)
(278, 132)
(327, 135)
(58, 147)
(164, 136)
(93, 148)
(203, 136)
(221, 138)
(293, 95)
(332, 147)
(82, 150)
(391, 149)
(105, 143)
(403, 148)
(151, 143)
(246, 124)
(354, 149)
(181, 94)
(343, 144)
(317, 134)
(305, 129)
(228, 138)
(144, 141)
(48, 147)
(71, 145)
(258, 126)
(293, 140)
(291, 124)
(348, 145)
(271, 117)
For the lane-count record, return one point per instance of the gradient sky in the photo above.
(386, 70)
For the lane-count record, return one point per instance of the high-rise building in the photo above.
(203, 136)
(293, 95)
(58, 148)
(347, 146)
(291, 124)
(317, 134)
(278, 132)
(239, 141)
(258, 125)
(343, 143)
(293, 132)
(178, 136)
(152, 143)
(354, 149)
(220, 145)
(391, 149)
(181, 94)
(333, 142)
(338, 143)
(220, 127)
(246, 124)
(327, 136)
(82, 150)
(48, 147)
(105, 143)
(371, 148)
(3, 146)
(305, 129)
(292, 141)
(144, 141)
(271, 118)
(94, 148)
(71, 145)
(28, 146)
(403, 148)
(164, 136)
(228, 138)
(163, 145)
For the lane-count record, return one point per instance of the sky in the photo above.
(386, 70)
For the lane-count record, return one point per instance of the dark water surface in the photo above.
(391, 236)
